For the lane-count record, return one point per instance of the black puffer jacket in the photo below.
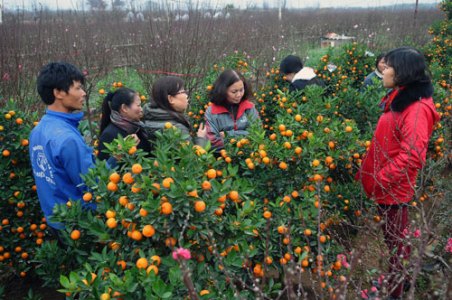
(303, 78)
(112, 132)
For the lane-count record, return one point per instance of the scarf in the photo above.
(154, 113)
(129, 126)
(305, 74)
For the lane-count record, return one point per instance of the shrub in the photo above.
(22, 227)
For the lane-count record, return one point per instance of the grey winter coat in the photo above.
(154, 120)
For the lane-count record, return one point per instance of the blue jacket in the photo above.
(58, 156)
(369, 80)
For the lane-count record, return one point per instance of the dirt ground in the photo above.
(19, 289)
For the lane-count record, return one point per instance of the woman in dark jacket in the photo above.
(121, 114)
(377, 73)
(168, 104)
(398, 150)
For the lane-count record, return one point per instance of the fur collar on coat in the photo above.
(410, 94)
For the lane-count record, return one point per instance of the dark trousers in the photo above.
(395, 219)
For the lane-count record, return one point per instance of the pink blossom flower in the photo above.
(6, 77)
(343, 259)
(181, 253)
(406, 232)
(364, 294)
(417, 233)
(449, 245)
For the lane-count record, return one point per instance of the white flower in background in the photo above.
(331, 67)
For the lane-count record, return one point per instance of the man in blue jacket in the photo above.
(58, 152)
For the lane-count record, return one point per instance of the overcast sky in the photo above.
(77, 4)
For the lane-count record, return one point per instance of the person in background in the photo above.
(231, 112)
(398, 151)
(58, 152)
(121, 115)
(298, 76)
(168, 104)
(377, 73)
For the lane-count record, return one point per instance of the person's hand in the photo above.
(135, 138)
(202, 131)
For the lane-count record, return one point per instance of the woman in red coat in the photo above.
(398, 150)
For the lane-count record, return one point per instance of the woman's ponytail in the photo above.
(106, 112)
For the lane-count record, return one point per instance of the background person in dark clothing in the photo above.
(121, 114)
(378, 73)
(298, 76)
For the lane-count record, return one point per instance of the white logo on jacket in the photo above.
(43, 165)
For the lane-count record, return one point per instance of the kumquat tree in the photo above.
(276, 214)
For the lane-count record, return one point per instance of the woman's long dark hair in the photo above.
(409, 66)
(219, 93)
(411, 75)
(164, 87)
(114, 101)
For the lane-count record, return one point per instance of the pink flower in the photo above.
(364, 294)
(449, 245)
(6, 77)
(343, 259)
(181, 253)
(406, 232)
(380, 279)
(417, 233)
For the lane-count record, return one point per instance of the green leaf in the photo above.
(64, 281)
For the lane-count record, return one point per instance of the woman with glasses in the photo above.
(168, 104)
(121, 115)
(231, 112)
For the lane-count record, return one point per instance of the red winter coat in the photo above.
(399, 146)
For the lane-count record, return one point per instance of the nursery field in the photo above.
(277, 214)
